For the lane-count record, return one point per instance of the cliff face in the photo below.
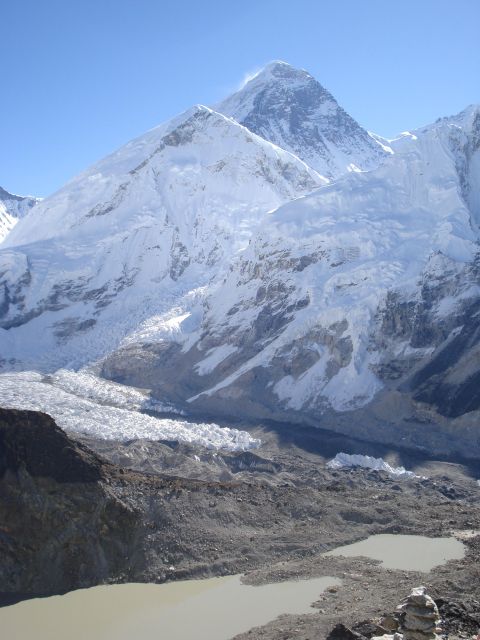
(31, 441)
(55, 511)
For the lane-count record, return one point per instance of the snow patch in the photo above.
(345, 461)
(214, 357)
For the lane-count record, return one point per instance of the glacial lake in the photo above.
(410, 553)
(213, 609)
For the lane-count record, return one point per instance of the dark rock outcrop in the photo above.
(342, 632)
(60, 526)
(32, 441)
(459, 618)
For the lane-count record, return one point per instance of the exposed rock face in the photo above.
(60, 527)
(291, 109)
(421, 618)
(32, 442)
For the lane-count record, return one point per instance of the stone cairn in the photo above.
(421, 618)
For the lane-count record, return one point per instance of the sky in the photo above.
(79, 78)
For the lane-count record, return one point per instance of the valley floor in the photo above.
(164, 511)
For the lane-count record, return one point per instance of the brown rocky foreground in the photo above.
(70, 518)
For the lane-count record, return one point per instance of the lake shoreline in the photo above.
(271, 514)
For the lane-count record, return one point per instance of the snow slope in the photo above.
(291, 109)
(224, 274)
(337, 284)
(137, 236)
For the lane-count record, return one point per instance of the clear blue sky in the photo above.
(81, 77)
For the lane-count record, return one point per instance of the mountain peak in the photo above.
(279, 70)
(467, 118)
(289, 107)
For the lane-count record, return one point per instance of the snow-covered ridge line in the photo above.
(288, 107)
(206, 249)
(347, 461)
(133, 236)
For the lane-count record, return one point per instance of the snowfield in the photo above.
(140, 235)
(333, 258)
(82, 404)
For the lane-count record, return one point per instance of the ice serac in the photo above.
(291, 109)
(137, 236)
(12, 208)
(355, 307)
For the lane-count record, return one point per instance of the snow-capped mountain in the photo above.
(345, 303)
(212, 263)
(291, 109)
(12, 208)
(137, 235)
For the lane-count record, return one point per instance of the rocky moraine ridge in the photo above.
(70, 518)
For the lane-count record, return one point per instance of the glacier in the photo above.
(85, 406)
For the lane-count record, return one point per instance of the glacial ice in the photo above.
(84, 404)
(346, 460)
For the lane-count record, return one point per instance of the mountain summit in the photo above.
(288, 107)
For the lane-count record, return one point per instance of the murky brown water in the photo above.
(213, 609)
(410, 553)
